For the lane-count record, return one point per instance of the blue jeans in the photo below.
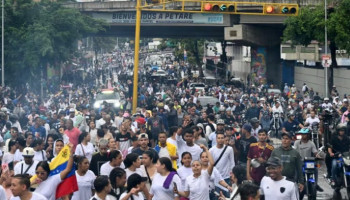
(334, 169)
(227, 194)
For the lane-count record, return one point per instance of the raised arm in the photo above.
(211, 160)
(69, 167)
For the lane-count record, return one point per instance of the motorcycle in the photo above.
(275, 124)
(342, 179)
(309, 169)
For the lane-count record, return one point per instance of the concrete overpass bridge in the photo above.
(121, 17)
(243, 29)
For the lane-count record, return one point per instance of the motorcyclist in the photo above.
(291, 125)
(326, 104)
(340, 143)
(307, 148)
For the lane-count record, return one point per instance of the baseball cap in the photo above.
(247, 127)
(71, 110)
(141, 120)
(254, 120)
(345, 100)
(143, 135)
(274, 161)
(288, 135)
(220, 121)
(28, 152)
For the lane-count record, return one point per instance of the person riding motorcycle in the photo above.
(307, 148)
(291, 125)
(340, 143)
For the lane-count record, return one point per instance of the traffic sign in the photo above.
(326, 60)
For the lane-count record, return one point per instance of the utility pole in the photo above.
(325, 50)
(136, 55)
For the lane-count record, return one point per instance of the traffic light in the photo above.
(278, 9)
(219, 7)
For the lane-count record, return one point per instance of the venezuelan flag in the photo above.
(57, 165)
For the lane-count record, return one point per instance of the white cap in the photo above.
(28, 151)
(71, 110)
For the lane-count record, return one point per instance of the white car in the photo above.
(160, 72)
(112, 98)
(198, 86)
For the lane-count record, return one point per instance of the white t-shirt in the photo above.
(163, 152)
(159, 192)
(106, 168)
(18, 156)
(8, 157)
(35, 196)
(212, 138)
(48, 187)
(276, 190)
(85, 185)
(88, 150)
(40, 155)
(195, 150)
(198, 187)
(171, 141)
(310, 121)
(20, 170)
(227, 161)
(2, 193)
(183, 173)
(139, 196)
(137, 171)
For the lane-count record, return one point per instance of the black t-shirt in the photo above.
(139, 151)
(340, 146)
(291, 126)
(243, 147)
(97, 161)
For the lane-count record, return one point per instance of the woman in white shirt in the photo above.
(215, 177)
(48, 184)
(10, 155)
(115, 160)
(185, 170)
(149, 168)
(164, 181)
(135, 185)
(85, 147)
(85, 179)
(132, 164)
(38, 146)
(197, 185)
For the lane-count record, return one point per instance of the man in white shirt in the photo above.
(275, 186)
(227, 161)
(28, 165)
(20, 185)
(185, 143)
(312, 119)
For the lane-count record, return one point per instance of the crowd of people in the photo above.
(172, 147)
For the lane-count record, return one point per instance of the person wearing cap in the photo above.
(291, 125)
(344, 106)
(326, 104)
(143, 142)
(243, 144)
(275, 186)
(253, 111)
(220, 125)
(135, 185)
(71, 115)
(291, 161)
(28, 165)
(255, 127)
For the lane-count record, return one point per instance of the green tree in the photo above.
(310, 23)
(42, 33)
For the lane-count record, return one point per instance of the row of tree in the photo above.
(310, 25)
(38, 34)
